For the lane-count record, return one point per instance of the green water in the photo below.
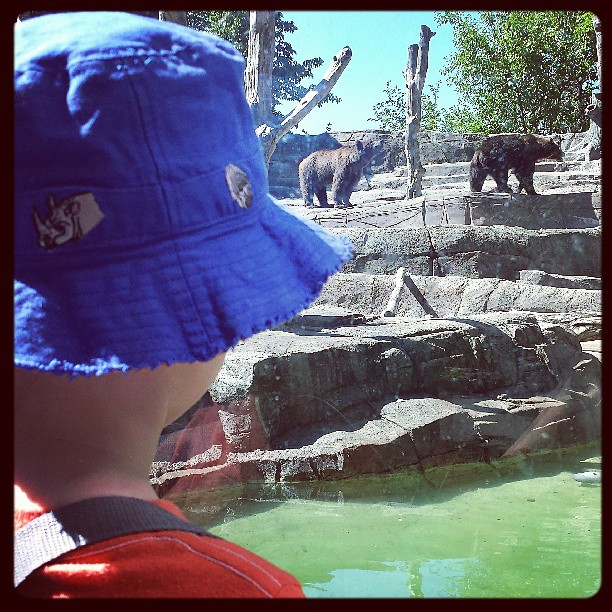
(510, 529)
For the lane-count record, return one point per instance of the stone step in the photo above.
(538, 277)
(453, 296)
(443, 207)
(592, 347)
(405, 433)
(474, 251)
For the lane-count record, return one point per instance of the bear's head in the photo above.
(550, 149)
(368, 149)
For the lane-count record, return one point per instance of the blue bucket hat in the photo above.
(144, 228)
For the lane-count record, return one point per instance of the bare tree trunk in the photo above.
(260, 63)
(179, 17)
(258, 83)
(416, 70)
(593, 110)
(597, 28)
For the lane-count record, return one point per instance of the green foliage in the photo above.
(521, 71)
(516, 71)
(232, 26)
(391, 112)
(287, 73)
(459, 118)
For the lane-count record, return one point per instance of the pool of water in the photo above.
(516, 529)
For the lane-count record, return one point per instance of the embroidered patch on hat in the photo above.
(239, 186)
(69, 219)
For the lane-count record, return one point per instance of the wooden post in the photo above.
(390, 308)
(414, 75)
(468, 211)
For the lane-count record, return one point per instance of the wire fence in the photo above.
(462, 209)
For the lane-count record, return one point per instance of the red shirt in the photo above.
(157, 564)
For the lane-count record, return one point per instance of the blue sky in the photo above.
(379, 41)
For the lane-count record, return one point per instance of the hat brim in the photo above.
(182, 300)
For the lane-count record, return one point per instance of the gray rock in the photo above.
(474, 252)
(448, 296)
(555, 210)
(538, 277)
(301, 380)
(407, 433)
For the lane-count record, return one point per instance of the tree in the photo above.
(232, 26)
(459, 119)
(527, 71)
(258, 83)
(287, 73)
(391, 112)
(259, 66)
(593, 110)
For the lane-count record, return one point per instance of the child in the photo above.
(146, 246)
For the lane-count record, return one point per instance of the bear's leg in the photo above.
(477, 178)
(307, 190)
(525, 179)
(307, 197)
(526, 182)
(347, 191)
(337, 191)
(321, 193)
(342, 186)
(500, 176)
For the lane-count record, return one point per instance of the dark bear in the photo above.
(518, 152)
(341, 168)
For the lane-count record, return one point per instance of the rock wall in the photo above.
(493, 366)
(298, 378)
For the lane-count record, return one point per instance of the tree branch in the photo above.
(271, 134)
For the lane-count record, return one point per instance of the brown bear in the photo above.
(518, 152)
(341, 168)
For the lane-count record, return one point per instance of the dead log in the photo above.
(404, 280)
(414, 75)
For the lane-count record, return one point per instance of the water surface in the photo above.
(512, 529)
